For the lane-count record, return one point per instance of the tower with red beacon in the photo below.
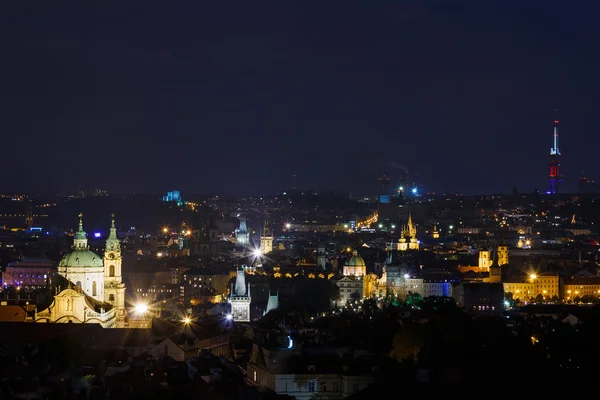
(555, 178)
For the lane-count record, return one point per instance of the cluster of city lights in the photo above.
(142, 309)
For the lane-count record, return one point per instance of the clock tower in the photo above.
(114, 288)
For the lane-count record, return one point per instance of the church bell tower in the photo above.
(114, 288)
(266, 239)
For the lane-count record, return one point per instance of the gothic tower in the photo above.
(502, 255)
(321, 257)
(242, 235)
(114, 288)
(412, 234)
(240, 298)
(266, 239)
(484, 260)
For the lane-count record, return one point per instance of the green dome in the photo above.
(355, 260)
(81, 258)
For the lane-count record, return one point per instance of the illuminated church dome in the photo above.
(355, 260)
(81, 256)
(84, 268)
(355, 266)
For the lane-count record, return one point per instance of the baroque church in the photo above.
(95, 291)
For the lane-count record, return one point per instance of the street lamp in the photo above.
(141, 308)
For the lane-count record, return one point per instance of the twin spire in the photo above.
(80, 241)
(409, 229)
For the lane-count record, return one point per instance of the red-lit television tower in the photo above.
(555, 177)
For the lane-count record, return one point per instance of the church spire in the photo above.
(80, 232)
(411, 228)
(112, 242)
(80, 242)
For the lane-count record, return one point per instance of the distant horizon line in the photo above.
(283, 192)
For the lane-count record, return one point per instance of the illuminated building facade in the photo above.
(585, 286)
(351, 288)
(546, 284)
(240, 298)
(484, 260)
(502, 255)
(95, 292)
(28, 274)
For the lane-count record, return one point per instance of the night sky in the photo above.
(232, 97)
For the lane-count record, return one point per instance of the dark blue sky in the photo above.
(232, 97)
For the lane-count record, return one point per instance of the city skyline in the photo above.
(149, 99)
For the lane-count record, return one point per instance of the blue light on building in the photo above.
(174, 196)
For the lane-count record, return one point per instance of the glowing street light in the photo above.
(257, 252)
(229, 317)
(165, 230)
(141, 308)
(187, 320)
(533, 276)
(288, 226)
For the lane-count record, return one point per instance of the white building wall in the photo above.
(310, 385)
(87, 276)
(348, 287)
(414, 285)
